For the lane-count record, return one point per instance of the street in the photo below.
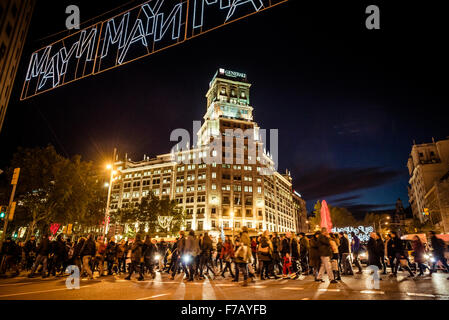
(162, 288)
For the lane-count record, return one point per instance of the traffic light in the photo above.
(3, 212)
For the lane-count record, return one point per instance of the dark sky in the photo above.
(348, 102)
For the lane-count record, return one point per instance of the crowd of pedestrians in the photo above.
(268, 256)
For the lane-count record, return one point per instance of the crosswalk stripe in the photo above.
(152, 297)
(292, 288)
(372, 292)
(259, 287)
(330, 290)
(413, 294)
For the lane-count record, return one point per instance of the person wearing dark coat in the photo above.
(314, 255)
(136, 259)
(227, 254)
(304, 253)
(150, 250)
(190, 252)
(12, 253)
(374, 251)
(325, 251)
(30, 252)
(218, 256)
(111, 255)
(264, 257)
(206, 255)
(177, 254)
(399, 251)
(59, 256)
(87, 252)
(418, 253)
(42, 257)
(439, 249)
(381, 248)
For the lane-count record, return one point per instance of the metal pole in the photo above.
(106, 216)
(5, 226)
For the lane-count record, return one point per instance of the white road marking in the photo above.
(330, 290)
(33, 292)
(259, 287)
(225, 285)
(413, 294)
(17, 284)
(292, 288)
(372, 292)
(152, 297)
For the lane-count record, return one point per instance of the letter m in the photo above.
(114, 35)
(37, 66)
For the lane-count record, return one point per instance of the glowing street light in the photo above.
(109, 167)
(109, 186)
(232, 221)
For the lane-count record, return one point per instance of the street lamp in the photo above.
(109, 167)
(232, 221)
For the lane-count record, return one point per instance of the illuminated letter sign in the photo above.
(141, 31)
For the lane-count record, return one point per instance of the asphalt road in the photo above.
(162, 288)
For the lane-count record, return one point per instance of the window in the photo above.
(213, 223)
(214, 187)
(237, 225)
(213, 210)
(249, 224)
(249, 212)
(225, 200)
(214, 175)
(259, 189)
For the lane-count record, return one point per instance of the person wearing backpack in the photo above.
(439, 249)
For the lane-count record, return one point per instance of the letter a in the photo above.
(74, 274)
(72, 21)
(373, 20)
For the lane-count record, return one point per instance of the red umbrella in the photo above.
(326, 221)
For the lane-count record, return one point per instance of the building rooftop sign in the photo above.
(148, 28)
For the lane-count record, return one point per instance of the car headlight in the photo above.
(157, 257)
(186, 258)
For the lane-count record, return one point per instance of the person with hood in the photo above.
(42, 257)
(325, 251)
(136, 259)
(87, 252)
(439, 249)
(150, 251)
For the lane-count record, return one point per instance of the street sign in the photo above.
(11, 211)
(15, 176)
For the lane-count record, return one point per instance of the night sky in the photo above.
(348, 102)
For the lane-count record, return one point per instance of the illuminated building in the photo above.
(15, 17)
(427, 163)
(218, 193)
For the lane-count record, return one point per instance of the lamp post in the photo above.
(109, 167)
(232, 221)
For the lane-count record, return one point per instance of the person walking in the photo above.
(439, 250)
(242, 258)
(335, 242)
(42, 257)
(189, 255)
(218, 258)
(59, 256)
(345, 264)
(276, 256)
(227, 255)
(264, 253)
(355, 249)
(418, 254)
(100, 256)
(400, 255)
(149, 251)
(314, 255)
(295, 257)
(381, 248)
(30, 252)
(136, 259)
(121, 257)
(374, 253)
(304, 253)
(325, 251)
(12, 254)
(86, 253)
(206, 256)
(111, 256)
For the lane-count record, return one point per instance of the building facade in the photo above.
(427, 163)
(226, 178)
(437, 204)
(15, 17)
